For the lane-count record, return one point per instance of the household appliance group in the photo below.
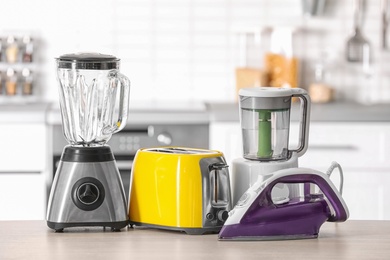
(184, 188)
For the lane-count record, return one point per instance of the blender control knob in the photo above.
(164, 139)
(222, 215)
(88, 193)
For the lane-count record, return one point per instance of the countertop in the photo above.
(34, 240)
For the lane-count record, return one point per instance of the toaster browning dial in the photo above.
(88, 193)
(220, 215)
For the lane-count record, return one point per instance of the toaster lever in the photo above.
(218, 166)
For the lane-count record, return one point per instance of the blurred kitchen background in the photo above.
(188, 50)
(186, 59)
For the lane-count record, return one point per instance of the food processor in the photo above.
(87, 189)
(265, 123)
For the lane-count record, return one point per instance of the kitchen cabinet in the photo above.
(23, 157)
(361, 148)
(22, 196)
(226, 137)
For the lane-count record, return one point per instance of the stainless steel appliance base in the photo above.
(188, 231)
(87, 191)
(115, 226)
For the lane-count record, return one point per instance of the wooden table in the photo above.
(34, 240)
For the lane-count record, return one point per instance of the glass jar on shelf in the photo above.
(321, 90)
(280, 61)
(28, 49)
(249, 71)
(11, 82)
(12, 49)
(27, 84)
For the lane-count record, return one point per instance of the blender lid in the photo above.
(88, 61)
(266, 92)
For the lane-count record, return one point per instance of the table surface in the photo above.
(34, 240)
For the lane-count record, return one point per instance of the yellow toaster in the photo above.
(179, 188)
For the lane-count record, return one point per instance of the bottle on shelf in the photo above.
(320, 90)
(280, 61)
(28, 49)
(27, 85)
(12, 49)
(11, 83)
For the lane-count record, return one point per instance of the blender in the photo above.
(87, 189)
(265, 123)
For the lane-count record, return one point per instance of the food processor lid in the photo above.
(265, 92)
(88, 61)
(269, 98)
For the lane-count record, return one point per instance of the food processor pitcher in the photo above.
(92, 92)
(265, 122)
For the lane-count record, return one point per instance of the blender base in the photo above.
(246, 172)
(87, 190)
(115, 226)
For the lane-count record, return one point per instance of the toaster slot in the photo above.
(218, 184)
(177, 150)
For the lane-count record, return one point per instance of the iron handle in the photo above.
(323, 184)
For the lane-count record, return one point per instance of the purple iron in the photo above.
(260, 216)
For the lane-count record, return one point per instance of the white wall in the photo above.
(187, 49)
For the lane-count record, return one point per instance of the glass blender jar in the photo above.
(87, 189)
(89, 85)
(265, 123)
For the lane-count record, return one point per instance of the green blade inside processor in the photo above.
(264, 132)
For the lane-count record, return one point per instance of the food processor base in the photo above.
(246, 172)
